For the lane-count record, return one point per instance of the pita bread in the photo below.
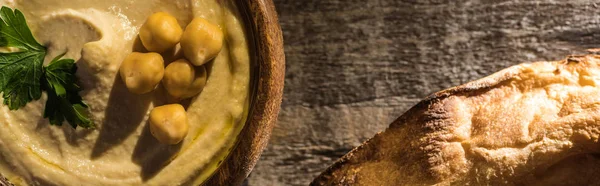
(530, 124)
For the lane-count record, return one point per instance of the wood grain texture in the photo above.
(354, 66)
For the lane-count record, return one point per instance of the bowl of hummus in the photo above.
(125, 138)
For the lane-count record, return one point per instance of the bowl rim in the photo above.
(264, 31)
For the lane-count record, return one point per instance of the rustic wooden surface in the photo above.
(353, 66)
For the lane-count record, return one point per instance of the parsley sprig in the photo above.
(23, 76)
(20, 72)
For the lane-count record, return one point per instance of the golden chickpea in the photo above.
(169, 124)
(142, 72)
(184, 80)
(201, 41)
(160, 32)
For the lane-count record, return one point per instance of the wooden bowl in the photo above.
(265, 33)
(268, 71)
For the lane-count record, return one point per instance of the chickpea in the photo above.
(201, 41)
(142, 72)
(169, 124)
(160, 32)
(184, 80)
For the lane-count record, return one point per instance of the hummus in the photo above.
(99, 34)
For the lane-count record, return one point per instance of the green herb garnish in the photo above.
(23, 77)
(64, 101)
(20, 72)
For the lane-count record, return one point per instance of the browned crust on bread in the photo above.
(363, 151)
(428, 116)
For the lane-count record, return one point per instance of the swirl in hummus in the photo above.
(99, 34)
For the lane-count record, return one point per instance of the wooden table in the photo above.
(353, 65)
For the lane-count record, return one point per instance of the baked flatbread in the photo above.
(530, 124)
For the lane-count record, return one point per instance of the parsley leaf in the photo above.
(20, 72)
(23, 76)
(64, 101)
